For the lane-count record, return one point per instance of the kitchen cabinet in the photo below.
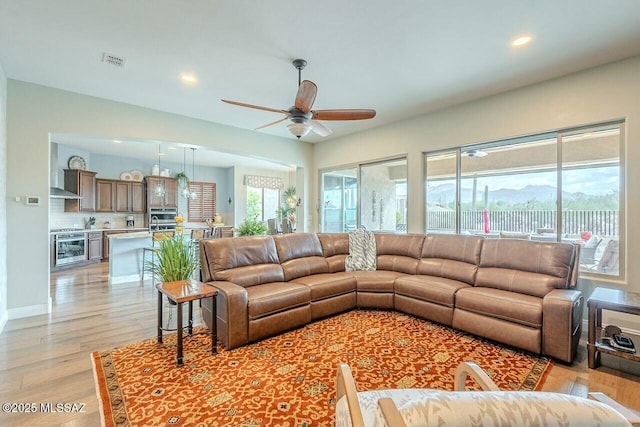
(138, 197)
(114, 195)
(105, 200)
(94, 239)
(105, 242)
(170, 198)
(83, 184)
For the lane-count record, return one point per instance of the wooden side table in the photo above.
(187, 291)
(613, 300)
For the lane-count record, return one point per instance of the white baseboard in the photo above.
(4, 316)
(31, 310)
(116, 280)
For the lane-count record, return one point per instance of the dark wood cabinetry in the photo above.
(104, 195)
(94, 239)
(114, 195)
(83, 184)
(170, 197)
(138, 198)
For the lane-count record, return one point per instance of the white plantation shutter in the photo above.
(204, 206)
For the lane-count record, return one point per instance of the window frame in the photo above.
(557, 135)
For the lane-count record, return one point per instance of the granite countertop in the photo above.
(103, 229)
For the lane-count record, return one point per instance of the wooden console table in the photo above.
(187, 291)
(613, 300)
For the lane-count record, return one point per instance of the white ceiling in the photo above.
(402, 58)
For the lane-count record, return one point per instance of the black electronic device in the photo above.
(624, 343)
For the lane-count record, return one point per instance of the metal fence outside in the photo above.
(600, 222)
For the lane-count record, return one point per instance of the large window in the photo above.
(561, 186)
(373, 195)
(262, 203)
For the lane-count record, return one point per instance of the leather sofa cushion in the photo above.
(429, 288)
(453, 247)
(398, 263)
(328, 285)
(225, 254)
(450, 256)
(306, 266)
(511, 306)
(376, 281)
(408, 245)
(270, 298)
(251, 275)
(517, 258)
(335, 247)
(448, 269)
(297, 245)
(334, 243)
(523, 282)
(337, 263)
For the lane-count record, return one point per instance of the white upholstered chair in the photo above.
(491, 407)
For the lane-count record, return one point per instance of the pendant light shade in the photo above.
(194, 194)
(159, 191)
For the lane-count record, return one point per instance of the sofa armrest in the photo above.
(562, 323)
(233, 318)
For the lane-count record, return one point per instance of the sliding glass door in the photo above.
(373, 195)
(339, 200)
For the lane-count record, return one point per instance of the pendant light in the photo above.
(194, 194)
(159, 190)
(185, 190)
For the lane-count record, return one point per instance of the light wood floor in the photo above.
(46, 359)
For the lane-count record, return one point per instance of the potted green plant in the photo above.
(175, 259)
(183, 179)
(252, 227)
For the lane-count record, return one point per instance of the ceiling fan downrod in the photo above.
(299, 64)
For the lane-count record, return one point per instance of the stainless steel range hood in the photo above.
(59, 193)
(56, 192)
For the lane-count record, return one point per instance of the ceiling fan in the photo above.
(303, 118)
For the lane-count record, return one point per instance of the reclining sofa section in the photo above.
(520, 293)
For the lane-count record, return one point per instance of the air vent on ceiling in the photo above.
(114, 60)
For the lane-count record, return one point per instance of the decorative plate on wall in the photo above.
(76, 162)
(126, 176)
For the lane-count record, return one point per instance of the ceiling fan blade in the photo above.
(272, 123)
(344, 114)
(306, 95)
(319, 129)
(257, 107)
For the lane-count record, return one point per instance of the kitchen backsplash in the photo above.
(58, 218)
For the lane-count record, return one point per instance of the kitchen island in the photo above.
(125, 256)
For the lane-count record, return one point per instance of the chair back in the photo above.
(161, 235)
(197, 234)
(226, 231)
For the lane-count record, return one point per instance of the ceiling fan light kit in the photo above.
(303, 118)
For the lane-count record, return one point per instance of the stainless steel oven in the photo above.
(70, 247)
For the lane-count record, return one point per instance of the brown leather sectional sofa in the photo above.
(520, 293)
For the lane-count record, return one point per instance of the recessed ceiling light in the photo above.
(115, 141)
(188, 78)
(521, 41)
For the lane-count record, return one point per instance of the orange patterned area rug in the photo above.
(289, 380)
